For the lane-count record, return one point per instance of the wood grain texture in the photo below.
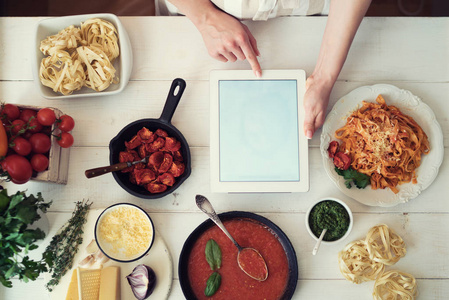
(410, 53)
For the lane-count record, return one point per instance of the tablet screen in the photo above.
(258, 130)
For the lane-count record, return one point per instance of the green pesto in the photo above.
(330, 215)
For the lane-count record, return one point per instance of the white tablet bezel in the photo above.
(250, 186)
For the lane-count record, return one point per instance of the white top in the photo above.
(257, 10)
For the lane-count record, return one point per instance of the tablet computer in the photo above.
(257, 142)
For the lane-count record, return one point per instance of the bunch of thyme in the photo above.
(64, 245)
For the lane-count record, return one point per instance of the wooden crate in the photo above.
(58, 167)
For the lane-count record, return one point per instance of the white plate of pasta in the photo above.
(392, 184)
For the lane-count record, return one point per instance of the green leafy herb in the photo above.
(17, 212)
(213, 254)
(352, 176)
(213, 283)
(64, 245)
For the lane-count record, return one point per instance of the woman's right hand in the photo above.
(227, 39)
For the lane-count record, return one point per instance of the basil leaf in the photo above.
(212, 285)
(213, 254)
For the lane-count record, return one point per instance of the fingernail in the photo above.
(309, 134)
(258, 74)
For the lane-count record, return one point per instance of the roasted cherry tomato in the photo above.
(177, 168)
(333, 148)
(146, 135)
(27, 114)
(167, 179)
(154, 187)
(65, 140)
(342, 160)
(39, 162)
(156, 159)
(156, 145)
(144, 176)
(46, 116)
(66, 123)
(11, 112)
(18, 168)
(166, 163)
(22, 146)
(40, 143)
(133, 143)
(161, 133)
(171, 144)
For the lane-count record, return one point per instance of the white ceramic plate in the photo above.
(409, 104)
(123, 64)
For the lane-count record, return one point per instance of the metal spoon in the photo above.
(207, 208)
(113, 168)
(318, 243)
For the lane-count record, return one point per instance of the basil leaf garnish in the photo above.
(212, 285)
(213, 255)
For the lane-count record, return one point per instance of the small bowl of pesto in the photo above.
(331, 214)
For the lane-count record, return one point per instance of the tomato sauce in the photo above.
(235, 284)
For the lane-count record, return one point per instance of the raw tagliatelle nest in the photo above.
(80, 57)
(394, 285)
(366, 259)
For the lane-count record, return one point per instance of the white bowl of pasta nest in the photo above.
(81, 56)
(408, 104)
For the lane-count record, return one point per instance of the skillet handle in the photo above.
(178, 85)
(103, 170)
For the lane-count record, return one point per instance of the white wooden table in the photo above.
(411, 53)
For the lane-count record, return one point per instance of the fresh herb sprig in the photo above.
(213, 257)
(64, 245)
(352, 176)
(17, 212)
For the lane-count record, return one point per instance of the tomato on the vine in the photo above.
(66, 123)
(34, 126)
(16, 126)
(40, 143)
(46, 116)
(27, 114)
(11, 112)
(18, 168)
(65, 140)
(39, 162)
(22, 146)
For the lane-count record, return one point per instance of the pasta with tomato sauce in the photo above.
(384, 144)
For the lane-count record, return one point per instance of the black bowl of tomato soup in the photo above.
(249, 230)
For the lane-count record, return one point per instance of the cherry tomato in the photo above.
(40, 143)
(39, 162)
(66, 123)
(156, 145)
(342, 160)
(27, 114)
(46, 116)
(156, 159)
(11, 112)
(171, 144)
(332, 149)
(18, 168)
(161, 133)
(65, 140)
(167, 179)
(177, 168)
(3, 140)
(154, 187)
(16, 126)
(35, 126)
(22, 146)
(166, 163)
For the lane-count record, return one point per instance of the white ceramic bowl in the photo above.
(118, 254)
(351, 220)
(51, 26)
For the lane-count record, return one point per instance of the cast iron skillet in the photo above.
(292, 279)
(117, 144)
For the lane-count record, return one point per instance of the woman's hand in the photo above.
(316, 100)
(227, 39)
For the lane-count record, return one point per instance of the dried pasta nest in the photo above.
(355, 264)
(62, 73)
(80, 57)
(66, 39)
(394, 285)
(384, 245)
(102, 34)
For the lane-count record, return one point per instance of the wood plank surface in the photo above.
(410, 53)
